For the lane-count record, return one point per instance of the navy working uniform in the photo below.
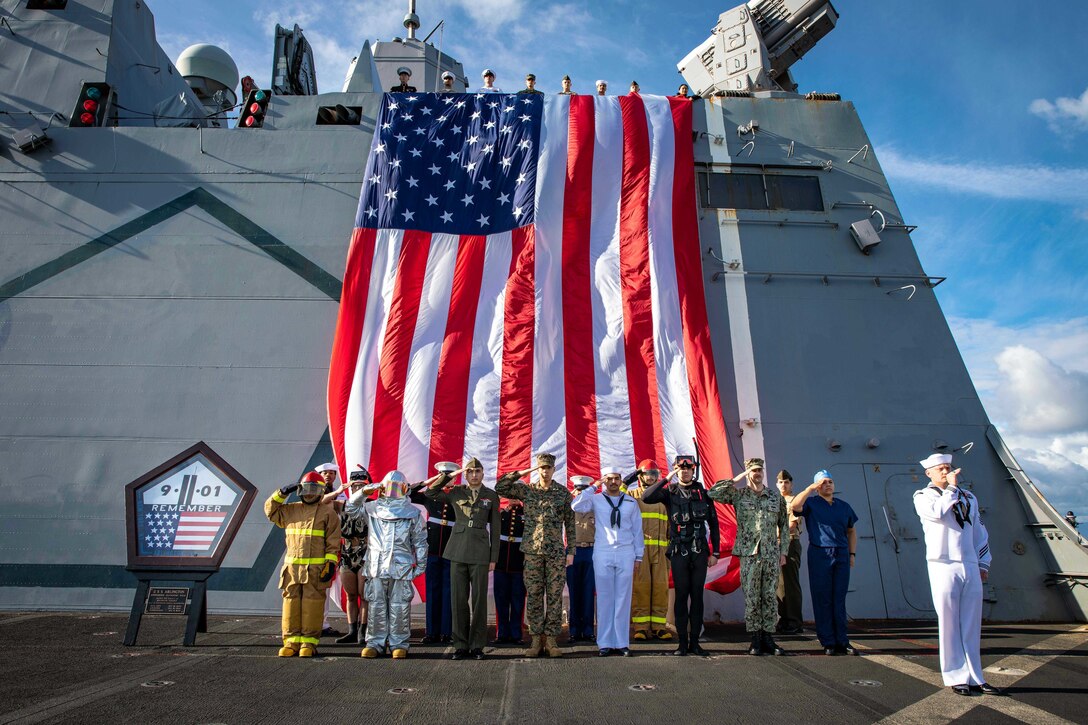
(509, 581)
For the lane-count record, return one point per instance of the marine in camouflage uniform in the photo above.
(762, 543)
(547, 515)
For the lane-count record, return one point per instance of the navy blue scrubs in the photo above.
(829, 566)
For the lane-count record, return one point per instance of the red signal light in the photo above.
(254, 108)
(87, 118)
(250, 121)
(90, 105)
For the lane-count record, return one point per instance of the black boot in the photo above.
(362, 633)
(681, 649)
(770, 647)
(756, 648)
(352, 637)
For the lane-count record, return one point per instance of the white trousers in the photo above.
(957, 597)
(613, 572)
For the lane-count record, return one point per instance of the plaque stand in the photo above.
(197, 620)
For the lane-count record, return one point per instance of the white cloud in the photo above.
(1063, 115)
(1043, 397)
(1038, 182)
(1033, 380)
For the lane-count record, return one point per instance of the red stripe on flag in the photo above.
(451, 386)
(698, 351)
(519, 322)
(397, 351)
(583, 450)
(638, 322)
(349, 330)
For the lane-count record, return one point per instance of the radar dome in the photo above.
(210, 63)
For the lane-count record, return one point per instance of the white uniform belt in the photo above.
(440, 522)
(503, 537)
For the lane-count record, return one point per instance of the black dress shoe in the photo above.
(447, 638)
(681, 651)
(756, 648)
(459, 654)
(961, 689)
(849, 649)
(605, 651)
(987, 689)
(477, 654)
(622, 652)
(697, 649)
(429, 639)
(573, 639)
(331, 632)
(831, 651)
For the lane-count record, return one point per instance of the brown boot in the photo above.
(552, 647)
(536, 643)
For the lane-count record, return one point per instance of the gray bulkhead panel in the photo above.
(195, 327)
(853, 360)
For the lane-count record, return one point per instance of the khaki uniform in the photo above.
(547, 515)
(313, 538)
(762, 539)
(650, 598)
(789, 584)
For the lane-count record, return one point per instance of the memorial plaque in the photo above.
(167, 600)
(186, 511)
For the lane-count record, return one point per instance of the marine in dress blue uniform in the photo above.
(509, 579)
(440, 520)
(832, 547)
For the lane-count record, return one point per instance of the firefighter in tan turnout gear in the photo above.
(313, 540)
(650, 599)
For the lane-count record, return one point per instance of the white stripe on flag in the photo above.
(674, 394)
(419, 387)
(549, 411)
(485, 372)
(613, 411)
(190, 529)
(359, 425)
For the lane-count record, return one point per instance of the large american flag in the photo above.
(525, 276)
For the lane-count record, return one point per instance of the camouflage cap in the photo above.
(547, 458)
(753, 463)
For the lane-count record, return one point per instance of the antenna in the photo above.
(411, 20)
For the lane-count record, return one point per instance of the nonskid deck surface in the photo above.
(71, 667)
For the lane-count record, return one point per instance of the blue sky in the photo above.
(978, 112)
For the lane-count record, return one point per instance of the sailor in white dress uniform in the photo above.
(617, 549)
(958, 555)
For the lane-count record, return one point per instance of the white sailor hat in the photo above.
(327, 467)
(447, 74)
(610, 470)
(404, 69)
(487, 72)
(601, 83)
(936, 459)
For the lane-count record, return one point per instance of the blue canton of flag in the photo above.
(156, 527)
(452, 164)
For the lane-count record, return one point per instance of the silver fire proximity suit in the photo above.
(396, 553)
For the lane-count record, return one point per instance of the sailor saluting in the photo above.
(958, 555)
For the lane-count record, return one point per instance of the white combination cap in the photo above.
(404, 69)
(936, 459)
(487, 72)
(447, 74)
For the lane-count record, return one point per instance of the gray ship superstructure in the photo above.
(166, 279)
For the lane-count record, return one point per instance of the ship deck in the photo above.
(71, 667)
